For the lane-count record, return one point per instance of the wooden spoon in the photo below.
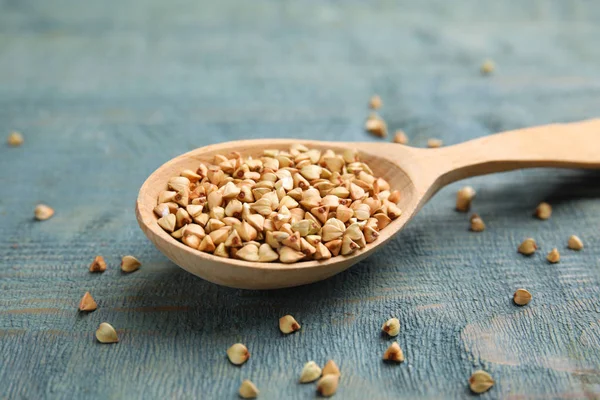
(417, 173)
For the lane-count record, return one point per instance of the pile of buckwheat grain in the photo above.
(287, 206)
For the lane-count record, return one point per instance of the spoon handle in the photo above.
(571, 145)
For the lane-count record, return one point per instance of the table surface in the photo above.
(105, 92)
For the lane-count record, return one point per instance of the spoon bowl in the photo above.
(251, 275)
(416, 173)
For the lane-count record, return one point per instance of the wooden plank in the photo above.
(104, 93)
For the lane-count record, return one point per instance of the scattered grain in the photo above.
(477, 224)
(98, 265)
(327, 385)
(106, 333)
(400, 137)
(130, 264)
(543, 211)
(528, 247)
(434, 143)
(238, 354)
(376, 125)
(331, 368)
(553, 256)
(43, 212)
(87, 303)
(575, 243)
(248, 390)
(394, 353)
(287, 324)
(391, 327)
(375, 102)
(15, 139)
(464, 197)
(521, 297)
(487, 67)
(311, 372)
(480, 382)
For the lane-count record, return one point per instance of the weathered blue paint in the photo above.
(105, 92)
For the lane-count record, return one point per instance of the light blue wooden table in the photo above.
(105, 92)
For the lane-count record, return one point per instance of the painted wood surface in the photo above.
(105, 92)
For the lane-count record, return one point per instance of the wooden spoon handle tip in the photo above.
(571, 145)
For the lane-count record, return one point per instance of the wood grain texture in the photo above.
(106, 92)
(417, 173)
